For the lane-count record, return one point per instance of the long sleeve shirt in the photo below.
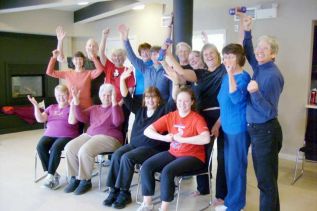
(142, 121)
(233, 105)
(80, 80)
(102, 120)
(152, 76)
(262, 105)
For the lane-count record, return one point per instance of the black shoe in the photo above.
(123, 199)
(83, 187)
(112, 197)
(72, 185)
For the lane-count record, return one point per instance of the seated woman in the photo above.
(140, 147)
(187, 134)
(60, 129)
(103, 135)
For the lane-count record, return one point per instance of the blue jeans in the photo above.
(266, 140)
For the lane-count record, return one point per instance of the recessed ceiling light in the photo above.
(139, 7)
(81, 3)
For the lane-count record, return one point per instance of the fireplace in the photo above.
(32, 85)
(28, 79)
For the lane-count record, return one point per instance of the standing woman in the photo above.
(232, 98)
(187, 134)
(264, 128)
(61, 127)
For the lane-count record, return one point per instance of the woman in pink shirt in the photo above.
(79, 78)
(60, 129)
(103, 135)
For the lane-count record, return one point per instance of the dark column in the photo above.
(183, 21)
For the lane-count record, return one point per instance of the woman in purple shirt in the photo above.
(60, 129)
(103, 135)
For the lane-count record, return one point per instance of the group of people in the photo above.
(181, 105)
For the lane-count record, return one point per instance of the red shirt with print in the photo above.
(113, 74)
(191, 125)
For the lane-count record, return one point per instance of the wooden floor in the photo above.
(18, 192)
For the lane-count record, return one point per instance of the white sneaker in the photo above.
(48, 180)
(221, 208)
(144, 207)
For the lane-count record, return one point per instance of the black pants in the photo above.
(49, 150)
(266, 141)
(202, 181)
(170, 167)
(122, 164)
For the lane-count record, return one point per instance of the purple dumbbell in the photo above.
(232, 11)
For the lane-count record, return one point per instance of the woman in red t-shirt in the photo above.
(187, 133)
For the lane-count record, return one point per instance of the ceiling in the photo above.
(97, 9)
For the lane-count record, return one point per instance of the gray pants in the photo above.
(81, 152)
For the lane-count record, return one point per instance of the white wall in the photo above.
(292, 27)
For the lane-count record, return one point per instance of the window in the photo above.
(216, 37)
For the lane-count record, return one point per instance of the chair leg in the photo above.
(36, 179)
(178, 192)
(137, 200)
(296, 177)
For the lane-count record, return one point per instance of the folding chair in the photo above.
(205, 171)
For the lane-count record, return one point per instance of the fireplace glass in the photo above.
(27, 85)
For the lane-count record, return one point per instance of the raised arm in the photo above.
(204, 37)
(187, 74)
(60, 34)
(117, 113)
(71, 116)
(135, 61)
(173, 76)
(80, 115)
(102, 47)
(51, 71)
(99, 68)
(39, 116)
(247, 40)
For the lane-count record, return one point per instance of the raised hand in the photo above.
(33, 101)
(230, 69)
(55, 53)
(204, 37)
(114, 98)
(171, 74)
(126, 73)
(106, 32)
(252, 86)
(246, 22)
(60, 34)
(75, 95)
(124, 31)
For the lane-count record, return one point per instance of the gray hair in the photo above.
(182, 44)
(272, 41)
(106, 87)
(119, 51)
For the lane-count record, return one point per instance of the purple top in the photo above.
(103, 121)
(57, 123)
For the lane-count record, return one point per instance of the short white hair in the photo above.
(182, 44)
(106, 87)
(272, 41)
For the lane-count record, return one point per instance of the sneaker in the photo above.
(55, 182)
(72, 185)
(221, 208)
(123, 199)
(83, 187)
(144, 207)
(112, 197)
(48, 181)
